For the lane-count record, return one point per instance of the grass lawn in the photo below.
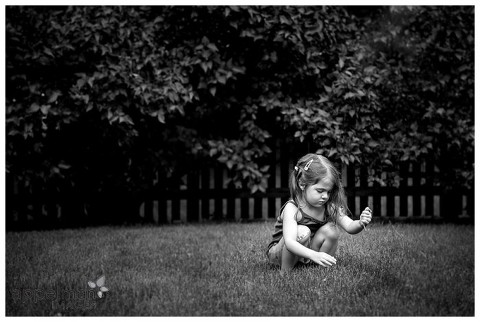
(221, 270)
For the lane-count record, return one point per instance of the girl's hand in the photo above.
(366, 217)
(323, 259)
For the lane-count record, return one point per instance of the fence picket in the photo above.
(162, 209)
(193, 202)
(429, 200)
(218, 184)
(244, 208)
(404, 174)
(148, 211)
(416, 182)
(231, 199)
(257, 207)
(176, 210)
(377, 202)
(205, 173)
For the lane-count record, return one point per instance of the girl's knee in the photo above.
(330, 231)
(303, 233)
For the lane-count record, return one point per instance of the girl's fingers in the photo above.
(332, 260)
(326, 261)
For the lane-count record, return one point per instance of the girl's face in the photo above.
(318, 194)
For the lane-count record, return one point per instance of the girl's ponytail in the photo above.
(293, 184)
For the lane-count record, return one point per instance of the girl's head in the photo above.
(313, 169)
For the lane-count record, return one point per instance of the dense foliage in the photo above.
(103, 99)
(427, 95)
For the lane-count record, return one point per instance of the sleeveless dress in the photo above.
(305, 220)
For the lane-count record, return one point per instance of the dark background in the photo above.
(115, 114)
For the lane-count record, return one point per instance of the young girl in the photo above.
(307, 228)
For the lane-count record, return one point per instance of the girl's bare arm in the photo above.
(290, 233)
(355, 226)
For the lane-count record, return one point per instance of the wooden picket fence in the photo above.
(205, 195)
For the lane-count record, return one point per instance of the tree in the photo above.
(99, 98)
(427, 57)
(102, 101)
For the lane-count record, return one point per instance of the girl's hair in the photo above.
(309, 170)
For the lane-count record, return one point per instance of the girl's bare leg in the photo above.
(326, 239)
(289, 260)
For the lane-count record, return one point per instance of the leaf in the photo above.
(180, 109)
(213, 90)
(323, 99)
(48, 52)
(222, 79)
(284, 20)
(205, 40)
(44, 109)
(54, 96)
(274, 57)
(212, 47)
(92, 284)
(369, 69)
(161, 117)
(103, 289)
(100, 294)
(239, 70)
(341, 63)
(33, 108)
(202, 84)
(222, 158)
(65, 167)
(80, 83)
